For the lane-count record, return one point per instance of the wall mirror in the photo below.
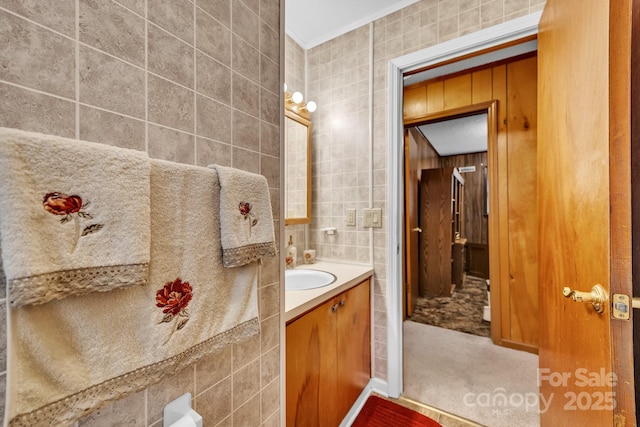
(297, 166)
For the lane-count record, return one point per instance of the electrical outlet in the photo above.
(372, 217)
(351, 217)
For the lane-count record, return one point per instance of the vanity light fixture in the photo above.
(295, 102)
(310, 106)
(297, 97)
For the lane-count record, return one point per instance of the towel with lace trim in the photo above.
(74, 216)
(246, 220)
(72, 356)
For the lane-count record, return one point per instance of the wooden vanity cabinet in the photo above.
(328, 358)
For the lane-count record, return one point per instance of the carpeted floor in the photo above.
(460, 312)
(469, 376)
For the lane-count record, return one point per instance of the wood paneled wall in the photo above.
(514, 266)
(476, 229)
(522, 200)
(435, 96)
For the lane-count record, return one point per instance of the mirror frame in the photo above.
(296, 115)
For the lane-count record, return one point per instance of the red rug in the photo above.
(378, 412)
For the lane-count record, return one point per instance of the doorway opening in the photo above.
(446, 238)
(441, 356)
(510, 124)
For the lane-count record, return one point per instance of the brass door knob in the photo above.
(597, 297)
(417, 229)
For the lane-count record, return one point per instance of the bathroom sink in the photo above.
(299, 280)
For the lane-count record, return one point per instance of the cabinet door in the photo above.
(354, 345)
(457, 265)
(311, 369)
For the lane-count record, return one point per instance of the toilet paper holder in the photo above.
(176, 410)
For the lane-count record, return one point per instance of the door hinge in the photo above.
(620, 307)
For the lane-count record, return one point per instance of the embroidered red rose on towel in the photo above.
(72, 208)
(173, 299)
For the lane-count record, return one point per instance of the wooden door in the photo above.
(311, 369)
(412, 233)
(581, 129)
(354, 346)
(436, 241)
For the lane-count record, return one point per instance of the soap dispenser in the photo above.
(290, 259)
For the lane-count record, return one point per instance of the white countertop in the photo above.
(347, 276)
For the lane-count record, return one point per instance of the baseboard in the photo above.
(375, 385)
(379, 386)
(519, 346)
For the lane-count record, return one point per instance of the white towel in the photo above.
(72, 356)
(74, 216)
(246, 219)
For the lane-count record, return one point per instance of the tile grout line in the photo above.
(77, 79)
(232, 375)
(146, 77)
(231, 107)
(260, 266)
(146, 144)
(195, 86)
(77, 71)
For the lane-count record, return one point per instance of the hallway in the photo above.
(463, 311)
(468, 376)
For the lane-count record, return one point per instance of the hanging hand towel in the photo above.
(246, 220)
(74, 216)
(73, 356)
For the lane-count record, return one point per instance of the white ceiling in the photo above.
(457, 136)
(313, 22)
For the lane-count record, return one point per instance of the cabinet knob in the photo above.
(342, 303)
(334, 308)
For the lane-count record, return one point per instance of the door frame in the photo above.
(447, 52)
(496, 228)
(623, 61)
(635, 179)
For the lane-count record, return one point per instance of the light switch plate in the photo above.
(351, 217)
(372, 217)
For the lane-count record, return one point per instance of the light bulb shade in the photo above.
(311, 106)
(296, 97)
(285, 88)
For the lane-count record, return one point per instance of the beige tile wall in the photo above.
(295, 77)
(294, 66)
(338, 78)
(191, 82)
